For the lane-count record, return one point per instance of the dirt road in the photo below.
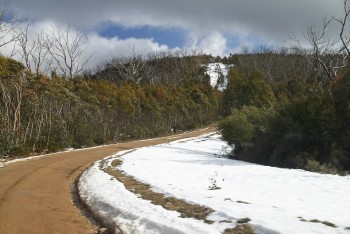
(35, 195)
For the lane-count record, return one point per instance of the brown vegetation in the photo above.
(185, 209)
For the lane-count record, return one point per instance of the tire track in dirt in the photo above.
(13, 186)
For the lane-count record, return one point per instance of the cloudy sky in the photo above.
(218, 27)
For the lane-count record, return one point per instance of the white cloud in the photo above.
(213, 43)
(272, 19)
(211, 24)
(103, 49)
(100, 48)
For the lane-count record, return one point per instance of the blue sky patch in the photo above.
(172, 37)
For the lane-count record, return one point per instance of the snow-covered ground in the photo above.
(276, 200)
(214, 70)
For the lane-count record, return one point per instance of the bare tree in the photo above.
(33, 51)
(67, 49)
(12, 97)
(131, 68)
(25, 46)
(344, 30)
(323, 56)
(151, 70)
(245, 49)
(40, 55)
(327, 55)
(7, 27)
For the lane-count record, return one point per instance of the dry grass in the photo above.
(329, 224)
(170, 203)
(240, 229)
(185, 209)
(243, 202)
(244, 220)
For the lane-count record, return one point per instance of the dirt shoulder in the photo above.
(35, 195)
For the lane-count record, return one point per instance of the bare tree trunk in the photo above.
(38, 132)
(17, 111)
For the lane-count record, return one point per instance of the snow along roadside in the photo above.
(110, 201)
(4, 162)
(276, 200)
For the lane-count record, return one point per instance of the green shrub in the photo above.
(340, 158)
(247, 130)
(236, 129)
(315, 166)
(285, 152)
(247, 90)
(19, 151)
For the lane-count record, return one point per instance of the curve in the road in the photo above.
(35, 195)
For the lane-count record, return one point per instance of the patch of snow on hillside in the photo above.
(276, 200)
(214, 71)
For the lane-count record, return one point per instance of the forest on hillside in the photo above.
(45, 114)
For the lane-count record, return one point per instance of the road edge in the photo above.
(101, 227)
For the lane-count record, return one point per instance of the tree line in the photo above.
(50, 101)
(45, 114)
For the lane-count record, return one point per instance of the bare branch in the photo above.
(7, 28)
(67, 49)
(343, 23)
(324, 55)
(25, 46)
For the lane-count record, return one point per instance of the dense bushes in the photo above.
(306, 128)
(41, 114)
(246, 90)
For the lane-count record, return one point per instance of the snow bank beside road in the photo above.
(276, 200)
(110, 201)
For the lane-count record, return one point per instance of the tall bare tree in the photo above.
(67, 49)
(132, 67)
(41, 62)
(33, 51)
(327, 54)
(25, 46)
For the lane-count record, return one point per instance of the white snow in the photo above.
(214, 70)
(186, 169)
